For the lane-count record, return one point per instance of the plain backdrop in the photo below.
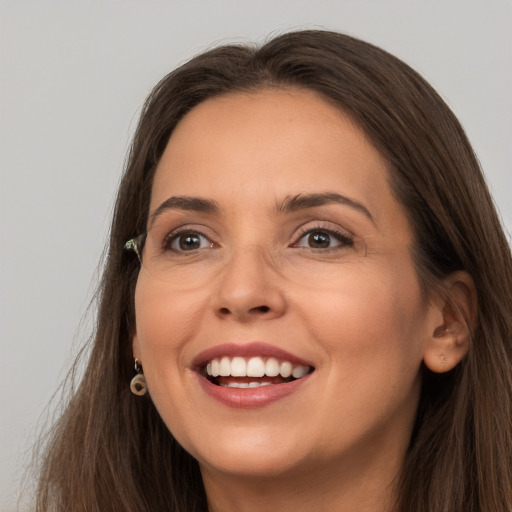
(73, 76)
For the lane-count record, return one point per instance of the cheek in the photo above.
(160, 312)
(165, 322)
(372, 322)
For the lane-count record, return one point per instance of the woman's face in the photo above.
(275, 245)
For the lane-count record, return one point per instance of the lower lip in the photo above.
(250, 398)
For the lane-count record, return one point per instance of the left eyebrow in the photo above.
(303, 201)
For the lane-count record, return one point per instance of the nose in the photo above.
(249, 288)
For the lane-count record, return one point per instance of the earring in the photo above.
(138, 383)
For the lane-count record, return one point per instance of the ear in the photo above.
(451, 329)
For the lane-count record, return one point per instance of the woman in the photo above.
(312, 304)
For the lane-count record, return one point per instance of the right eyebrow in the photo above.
(187, 203)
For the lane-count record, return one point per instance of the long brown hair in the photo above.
(110, 450)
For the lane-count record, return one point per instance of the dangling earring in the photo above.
(138, 383)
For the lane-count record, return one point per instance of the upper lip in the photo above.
(252, 349)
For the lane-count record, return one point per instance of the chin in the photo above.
(256, 455)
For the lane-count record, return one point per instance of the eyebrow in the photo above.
(303, 201)
(290, 204)
(194, 204)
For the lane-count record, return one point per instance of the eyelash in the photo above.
(344, 239)
(174, 236)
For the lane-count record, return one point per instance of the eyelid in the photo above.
(335, 230)
(176, 240)
(169, 239)
(345, 237)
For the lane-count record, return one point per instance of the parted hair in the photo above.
(110, 450)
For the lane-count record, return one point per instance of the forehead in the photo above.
(271, 143)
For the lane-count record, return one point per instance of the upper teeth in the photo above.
(254, 367)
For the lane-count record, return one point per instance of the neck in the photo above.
(361, 486)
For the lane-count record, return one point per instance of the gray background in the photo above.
(73, 76)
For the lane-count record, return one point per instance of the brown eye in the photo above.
(319, 240)
(189, 241)
(324, 239)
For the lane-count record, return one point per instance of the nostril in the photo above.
(255, 310)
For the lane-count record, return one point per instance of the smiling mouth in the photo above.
(253, 372)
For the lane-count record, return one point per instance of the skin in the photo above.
(354, 312)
